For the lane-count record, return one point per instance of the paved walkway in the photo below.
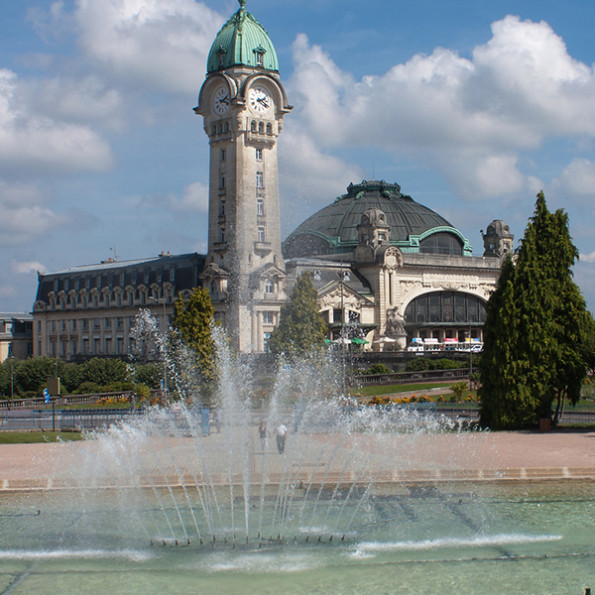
(392, 457)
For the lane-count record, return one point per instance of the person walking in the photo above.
(262, 433)
(280, 437)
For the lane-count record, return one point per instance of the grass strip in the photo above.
(36, 437)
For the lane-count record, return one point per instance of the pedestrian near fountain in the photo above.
(217, 419)
(280, 436)
(262, 432)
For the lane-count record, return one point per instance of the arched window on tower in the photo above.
(260, 127)
(269, 128)
(253, 126)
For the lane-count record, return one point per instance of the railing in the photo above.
(37, 402)
(412, 377)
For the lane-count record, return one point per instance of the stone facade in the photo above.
(16, 335)
(243, 102)
(89, 311)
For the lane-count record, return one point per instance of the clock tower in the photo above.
(243, 104)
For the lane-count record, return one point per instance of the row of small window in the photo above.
(260, 127)
(258, 56)
(104, 300)
(222, 127)
(85, 324)
(261, 237)
(122, 278)
(90, 347)
(223, 154)
(259, 181)
(259, 208)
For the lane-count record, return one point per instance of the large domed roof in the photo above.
(333, 229)
(242, 41)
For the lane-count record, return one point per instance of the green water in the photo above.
(458, 538)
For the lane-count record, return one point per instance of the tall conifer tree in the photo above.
(193, 320)
(536, 330)
(301, 327)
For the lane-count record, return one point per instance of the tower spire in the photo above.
(242, 3)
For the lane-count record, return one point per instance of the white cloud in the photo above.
(590, 258)
(153, 44)
(22, 215)
(578, 178)
(31, 266)
(312, 178)
(195, 198)
(31, 141)
(468, 119)
(73, 100)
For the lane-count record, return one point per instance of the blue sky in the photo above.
(471, 106)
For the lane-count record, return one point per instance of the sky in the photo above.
(472, 106)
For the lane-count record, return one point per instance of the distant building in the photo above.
(88, 311)
(390, 269)
(16, 335)
(386, 268)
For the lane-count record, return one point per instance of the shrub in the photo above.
(378, 369)
(419, 364)
(458, 389)
(142, 391)
(86, 388)
(447, 364)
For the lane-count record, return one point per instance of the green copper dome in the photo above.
(242, 41)
(414, 227)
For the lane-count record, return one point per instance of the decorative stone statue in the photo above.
(395, 323)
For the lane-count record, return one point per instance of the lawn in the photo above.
(33, 437)
(390, 389)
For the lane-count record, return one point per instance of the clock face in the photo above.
(259, 99)
(221, 101)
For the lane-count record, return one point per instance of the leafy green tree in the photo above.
(149, 374)
(378, 369)
(31, 375)
(72, 376)
(193, 320)
(536, 329)
(301, 326)
(5, 376)
(104, 371)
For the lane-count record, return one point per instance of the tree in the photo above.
(301, 327)
(193, 320)
(536, 329)
(5, 377)
(104, 371)
(498, 367)
(31, 375)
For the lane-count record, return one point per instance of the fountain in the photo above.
(362, 500)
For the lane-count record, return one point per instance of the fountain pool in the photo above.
(446, 538)
(362, 500)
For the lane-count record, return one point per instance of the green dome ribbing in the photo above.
(242, 41)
